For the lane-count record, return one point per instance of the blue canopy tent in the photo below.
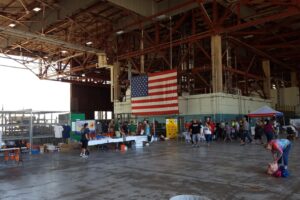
(265, 111)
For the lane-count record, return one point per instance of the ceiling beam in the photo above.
(148, 8)
(259, 52)
(175, 7)
(284, 14)
(143, 8)
(192, 38)
(66, 8)
(44, 39)
(205, 15)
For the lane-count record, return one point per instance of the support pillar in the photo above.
(267, 81)
(115, 81)
(216, 58)
(142, 59)
(228, 75)
(294, 79)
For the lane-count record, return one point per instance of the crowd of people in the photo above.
(197, 131)
(122, 129)
(116, 129)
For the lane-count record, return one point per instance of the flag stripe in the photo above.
(159, 86)
(162, 92)
(154, 100)
(155, 109)
(155, 106)
(162, 79)
(158, 113)
(163, 83)
(157, 103)
(150, 98)
(162, 89)
(163, 72)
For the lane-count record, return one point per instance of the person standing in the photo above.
(245, 134)
(132, 128)
(269, 130)
(147, 130)
(207, 133)
(111, 126)
(276, 126)
(195, 131)
(238, 129)
(227, 132)
(84, 140)
(259, 130)
(280, 149)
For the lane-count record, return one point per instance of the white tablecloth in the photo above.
(138, 140)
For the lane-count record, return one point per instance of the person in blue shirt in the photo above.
(147, 130)
(84, 140)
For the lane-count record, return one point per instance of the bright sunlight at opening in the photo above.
(21, 89)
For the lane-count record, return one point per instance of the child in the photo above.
(227, 132)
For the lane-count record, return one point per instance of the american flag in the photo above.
(155, 94)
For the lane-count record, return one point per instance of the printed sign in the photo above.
(171, 128)
(79, 126)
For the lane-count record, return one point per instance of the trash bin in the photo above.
(189, 197)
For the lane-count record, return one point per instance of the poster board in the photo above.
(171, 128)
(91, 126)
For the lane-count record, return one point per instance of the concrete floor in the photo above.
(165, 169)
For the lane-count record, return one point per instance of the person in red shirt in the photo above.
(269, 130)
(211, 125)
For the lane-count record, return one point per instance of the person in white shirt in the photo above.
(207, 133)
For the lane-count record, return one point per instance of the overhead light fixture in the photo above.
(64, 51)
(83, 75)
(248, 36)
(36, 9)
(89, 43)
(12, 25)
(161, 17)
(119, 32)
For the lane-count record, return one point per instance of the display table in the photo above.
(137, 139)
(12, 153)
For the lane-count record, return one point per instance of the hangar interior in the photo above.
(231, 57)
(232, 48)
